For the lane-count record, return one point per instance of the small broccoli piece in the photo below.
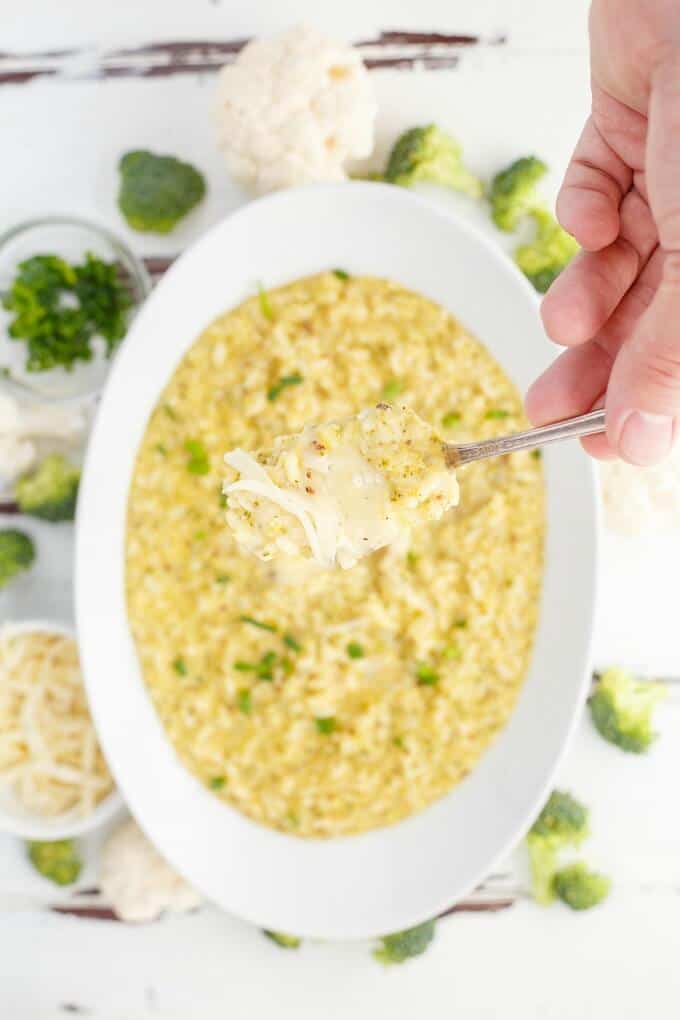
(156, 192)
(57, 861)
(544, 258)
(579, 887)
(285, 941)
(428, 154)
(513, 191)
(621, 708)
(50, 491)
(17, 553)
(402, 945)
(563, 822)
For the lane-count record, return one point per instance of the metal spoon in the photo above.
(531, 439)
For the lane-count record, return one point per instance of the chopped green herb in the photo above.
(402, 945)
(286, 665)
(223, 579)
(245, 667)
(292, 819)
(217, 782)
(198, 462)
(285, 941)
(411, 558)
(326, 723)
(341, 274)
(426, 676)
(222, 500)
(290, 641)
(59, 308)
(256, 623)
(200, 536)
(265, 666)
(460, 623)
(392, 389)
(398, 742)
(496, 414)
(452, 652)
(537, 454)
(244, 700)
(180, 667)
(355, 650)
(277, 389)
(161, 449)
(171, 412)
(265, 303)
(452, 419)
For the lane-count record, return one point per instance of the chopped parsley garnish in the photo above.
(265, 303)
(284, 382)
(244, 701)
(180, 667)
(411, 558)
(257, 623)
(198, 462)
(171, 412)
(217, 782)
(496, 414)
(460, 623)
(355, 650)
(341, 274)
(222, 500)
(398, 742)
(290, 642)
(200, 536)
(426, 676)
(58, 309)
(283, 940)
(161, 449)
(326, 723)
(244, 667)
(223, 579)
(537, 454)
(263, 670)
(452, 419)
(286, 665)
(392, 389)
(452, 652)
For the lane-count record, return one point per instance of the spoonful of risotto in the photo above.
(336, 492)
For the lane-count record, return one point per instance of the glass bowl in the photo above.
(72, 238)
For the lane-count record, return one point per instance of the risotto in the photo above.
(316, 701)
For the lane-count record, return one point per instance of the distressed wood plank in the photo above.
(394, 49)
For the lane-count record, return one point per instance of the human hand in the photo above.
(616, 306)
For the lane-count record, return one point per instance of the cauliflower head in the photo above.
(137, 882)
(292, 109)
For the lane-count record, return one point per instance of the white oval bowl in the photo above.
(16, 819)
(394, 877)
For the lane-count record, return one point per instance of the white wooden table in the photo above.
(76, 90)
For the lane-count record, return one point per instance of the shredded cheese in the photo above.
(50, 760)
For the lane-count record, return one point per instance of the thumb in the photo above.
(643, 398)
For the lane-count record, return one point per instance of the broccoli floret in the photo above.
(50, 491)
(513, 191)
(285, 941)
(428, 154)
(402, 945)
(156, 192)
(17, 553)
(563, 822)
(579, 887)
(544, 258)
(621, 708)
(57, 861)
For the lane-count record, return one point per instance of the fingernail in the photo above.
(645, 438)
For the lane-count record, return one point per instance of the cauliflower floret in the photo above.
(293, 109)
(28, 430)
(137, 882)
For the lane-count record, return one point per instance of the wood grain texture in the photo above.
(393, 49)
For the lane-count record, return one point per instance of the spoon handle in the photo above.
(570, 428)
